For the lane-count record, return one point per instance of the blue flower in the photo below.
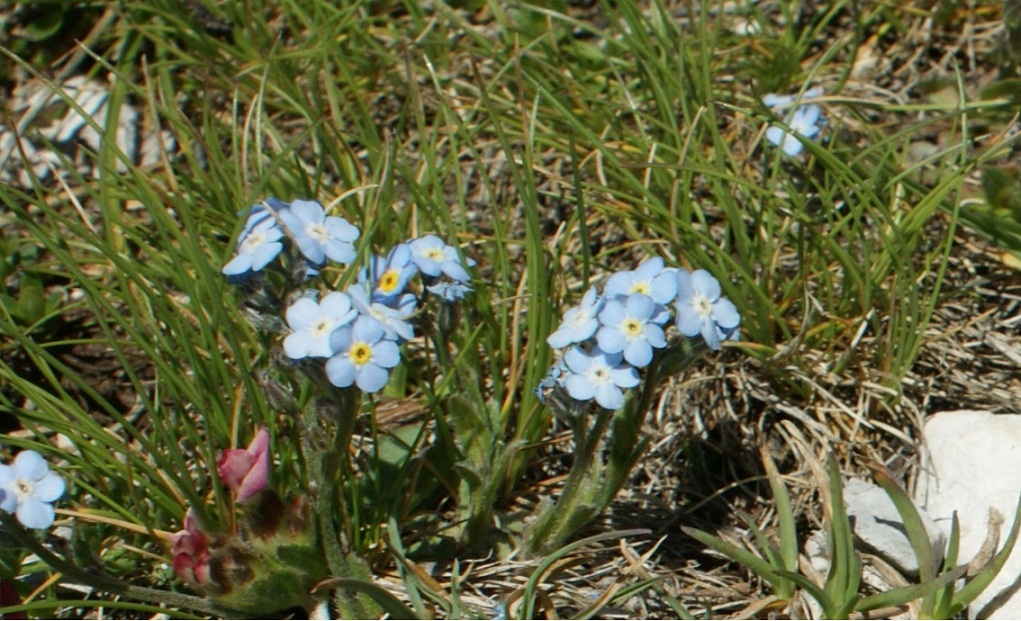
(555, 377)
(393, 317)
(364, 356)
(806, 120)
(319, 236)
(388, 276)
(598, 375)
(701, 310)
(449, 291)
(29, 489)
(579, 322)
(258, 244)
(628, 327)
(650, 278)
(313, 323)
(433, 258)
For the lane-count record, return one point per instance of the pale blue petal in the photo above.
(576, 360)
(264, 254)
(625, 376)
(340, 371)
(372, 377)
(609, 396)
(612, 313)
(340, 251)
(703, 281)
(302, 313)
(726, 314)
(34, 513)
(310, 248)
(689, 322)
(775, 134)
(30, 466)
(638, 352)
(611, 340)
(341, 230)
(711, 335)
(580, 388)
(454, 270)
(386, 354)
(367, 329)
(49, 488)
(640, 306)
(792, 146)
(685, 291)
(654, 335)
(238, 265)
(308, 211)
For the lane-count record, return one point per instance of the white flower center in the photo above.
(322, 327)
(599, 374)
(642, 287)
(23, 489)
(702, 305)
(631, 328)
(434, 254)
(252, 242)
(317, 232)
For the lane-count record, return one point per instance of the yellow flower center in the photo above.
(389, 281)
(360, 353)
(640, 287)
(631, 327)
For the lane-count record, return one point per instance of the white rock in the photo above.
(971, 463)
(877, 524)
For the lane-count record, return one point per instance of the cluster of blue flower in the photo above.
(28, 489)
(358, 330)
(805, 120)
(628, 322)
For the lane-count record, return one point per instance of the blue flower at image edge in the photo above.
(598, 375)
(701, 310)
(29, 489)
(364, 356)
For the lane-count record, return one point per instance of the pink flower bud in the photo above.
(245, 471)
(190, 548)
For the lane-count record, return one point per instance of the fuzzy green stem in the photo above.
(110, 584)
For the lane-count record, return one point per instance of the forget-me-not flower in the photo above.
(29, 489)
(628, 328)
(701, 310)
(806, 120)
(433, 257)
(650, 278)
(258, 244)
(598, 375)
(393, 316)
(389, 275)
(319, 236)
(449, 291)
(364, 356)
(313, 323)
(580, 322)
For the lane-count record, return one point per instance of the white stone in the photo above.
(877, 524)
(971, 463)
